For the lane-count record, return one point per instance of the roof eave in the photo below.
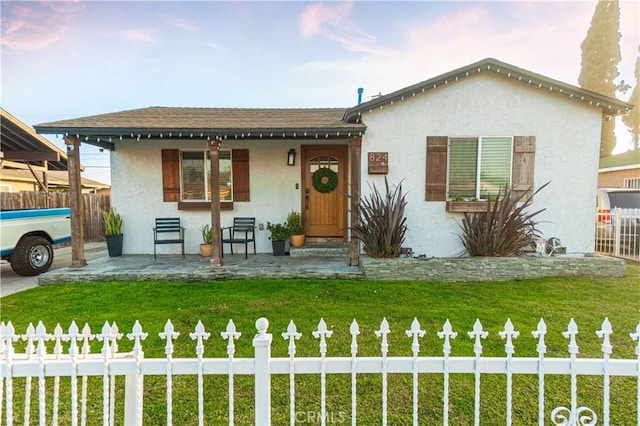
(609, 105)
(106, 136)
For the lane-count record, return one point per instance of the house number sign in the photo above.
(378, 163)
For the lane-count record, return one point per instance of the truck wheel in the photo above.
(32, 256)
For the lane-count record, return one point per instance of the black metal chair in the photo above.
(242, 232)
(168, 231)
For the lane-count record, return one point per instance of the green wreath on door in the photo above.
(324, 180)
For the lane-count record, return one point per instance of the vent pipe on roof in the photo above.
(360, 91)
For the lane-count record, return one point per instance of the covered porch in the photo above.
(151, 149)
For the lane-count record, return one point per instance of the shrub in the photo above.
(505, 229)
(279, 232)
(382, 225)
(294, 223)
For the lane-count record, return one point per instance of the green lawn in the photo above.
(588, 301)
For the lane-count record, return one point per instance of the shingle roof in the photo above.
(207, 122)
(241, 123)
(629, 159)
(609, 105)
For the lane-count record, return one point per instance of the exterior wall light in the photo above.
(291, 157)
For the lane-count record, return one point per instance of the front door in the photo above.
(324, 201)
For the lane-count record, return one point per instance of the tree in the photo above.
(600, 58)
(632, 118)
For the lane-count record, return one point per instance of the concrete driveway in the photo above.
(11, 283)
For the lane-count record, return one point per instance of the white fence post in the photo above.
(616, 219)
(133, 385)
(262, 348)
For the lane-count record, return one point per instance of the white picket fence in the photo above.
(618, 233)
(78, 363)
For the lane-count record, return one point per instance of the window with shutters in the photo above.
(478, 167)
(195, 176)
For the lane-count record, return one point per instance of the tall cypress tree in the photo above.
(632, 118)
(600, 58)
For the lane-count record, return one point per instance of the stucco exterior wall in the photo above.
(567, 139)
(136, 176)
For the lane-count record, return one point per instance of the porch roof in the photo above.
(609, 105)
(223, 123)
(20, 144)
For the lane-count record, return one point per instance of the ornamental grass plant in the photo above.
(507, 228)
(382, 225)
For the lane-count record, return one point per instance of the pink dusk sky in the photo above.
(64, 60)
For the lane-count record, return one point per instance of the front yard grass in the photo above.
(556, 300)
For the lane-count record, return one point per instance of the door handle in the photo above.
(306, 199)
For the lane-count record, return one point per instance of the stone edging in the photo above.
(491, 268)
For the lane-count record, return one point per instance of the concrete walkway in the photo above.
(11, 282)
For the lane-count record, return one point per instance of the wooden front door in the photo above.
(324, 213)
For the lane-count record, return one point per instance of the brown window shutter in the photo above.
(436, 170)
(170, 175)
(524, 151)
(240, 168)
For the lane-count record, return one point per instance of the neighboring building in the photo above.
(29, 162)
(464, 133)
(620, 170)
(15, 180)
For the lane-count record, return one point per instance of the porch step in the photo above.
(324, 249)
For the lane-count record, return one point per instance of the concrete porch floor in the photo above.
(195, 268)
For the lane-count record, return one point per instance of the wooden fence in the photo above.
(94, 205)
(78, 363)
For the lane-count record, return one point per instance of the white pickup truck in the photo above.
(27, 237)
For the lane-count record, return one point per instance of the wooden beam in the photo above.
(22, 166)
(32, 155)
(216, 238)
(75, 202)
(35, 176)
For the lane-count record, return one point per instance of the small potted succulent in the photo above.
(205, 246)
(279, 235)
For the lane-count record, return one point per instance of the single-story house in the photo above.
(620, 170)
(460, 135)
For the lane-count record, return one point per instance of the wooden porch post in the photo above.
(355, 144)
(216, 240)
(75, 202)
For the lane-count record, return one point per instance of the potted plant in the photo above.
(279, 234)
(113, 232)
(296, 229)
(205, 247)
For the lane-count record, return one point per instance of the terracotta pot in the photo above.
(297, 240)
(206, 249)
